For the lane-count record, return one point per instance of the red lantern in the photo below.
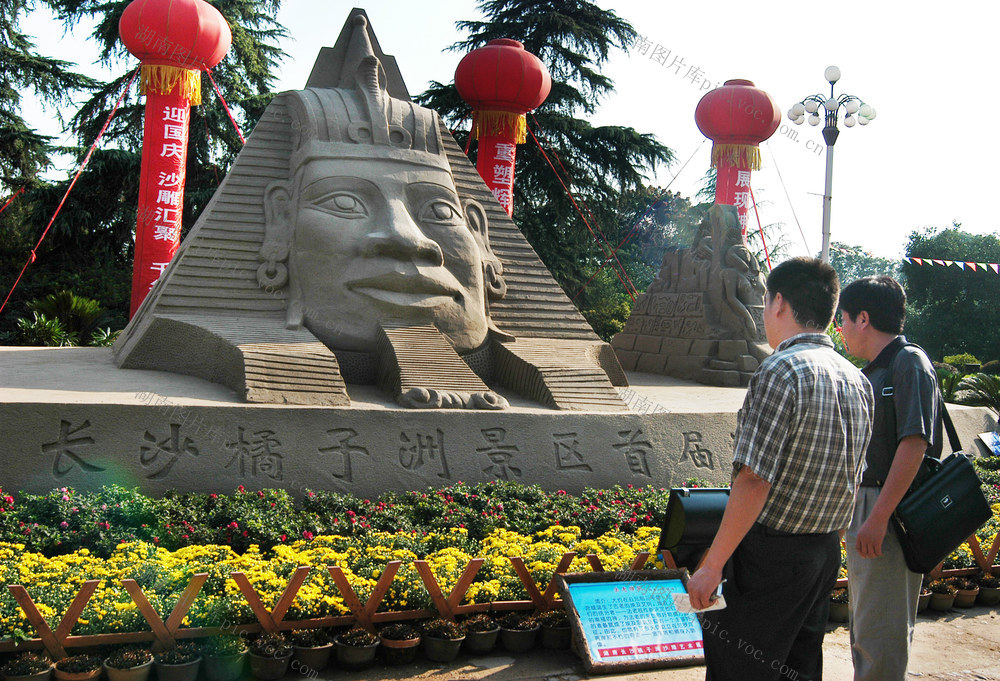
(736, 117)
(502, 82)
(175, 40)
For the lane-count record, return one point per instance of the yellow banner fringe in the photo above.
(737, 155)
(161, 79)
(500, 123)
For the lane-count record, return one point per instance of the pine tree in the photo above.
(89, 248)
(23, 151)
(573, 38)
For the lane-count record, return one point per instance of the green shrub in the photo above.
(980, 390)
(40, 330)
(961, 360)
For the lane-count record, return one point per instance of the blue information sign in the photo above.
(633, 621)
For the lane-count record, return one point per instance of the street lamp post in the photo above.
(852, 106)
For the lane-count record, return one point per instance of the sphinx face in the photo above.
(379, 240)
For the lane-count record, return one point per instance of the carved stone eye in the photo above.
(343, 204)
(441, 211)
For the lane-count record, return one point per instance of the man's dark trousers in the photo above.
(777, 602)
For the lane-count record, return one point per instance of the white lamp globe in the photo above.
(811, 106)
(832, 74)
(798, 109)
(851, 107)
(865, 111)
(862, 120)
(800, 120)
(871, 114)
(831, 104)
(849, 120)
(814, 119)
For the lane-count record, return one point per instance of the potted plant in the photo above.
(311, 649)
(967, 592)
(128, 663)
(556, 634)
(78, 668)
(356, 648)
(181, 663)
(942, 595)
(27, 667)
(840, 609)
(269, 656)
(398, 643)
(989, 589)
(481, 632)
(442, 639)
(518, 631)
(924, 600)
(223, 657)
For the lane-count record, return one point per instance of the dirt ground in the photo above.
(957, 645)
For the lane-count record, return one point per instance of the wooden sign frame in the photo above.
(628, 580)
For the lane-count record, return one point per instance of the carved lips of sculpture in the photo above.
(384, 240)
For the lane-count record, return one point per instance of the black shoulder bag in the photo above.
(944, 505)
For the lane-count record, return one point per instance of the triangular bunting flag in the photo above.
(906, 259)
(938, 262)
(995, 267)
(982, 265)
(960, 264)
(971, 266)
(919, 261)
(948, 262)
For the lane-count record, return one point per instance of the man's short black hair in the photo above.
(881, 297)
(810, 286)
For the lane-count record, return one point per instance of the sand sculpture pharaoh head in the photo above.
(369, 227)
(349, 244)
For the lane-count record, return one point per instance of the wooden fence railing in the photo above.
(164, 635)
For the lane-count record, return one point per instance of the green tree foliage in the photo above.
(23, 151)
(853, 262)
(980, 390)
(951, 310)
(89, 247)
(598, 163)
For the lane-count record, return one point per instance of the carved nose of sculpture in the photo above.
(402, 238)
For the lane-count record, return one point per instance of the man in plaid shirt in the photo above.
(797, 460)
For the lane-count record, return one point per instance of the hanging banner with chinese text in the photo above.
(161, 191)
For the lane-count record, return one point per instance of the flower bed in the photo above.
(143, 590)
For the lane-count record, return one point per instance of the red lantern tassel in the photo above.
(161, 79)
(736, 155)
(504, 124)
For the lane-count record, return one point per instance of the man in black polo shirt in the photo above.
(883, 592)
(797, 458)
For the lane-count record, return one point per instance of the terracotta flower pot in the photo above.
(556, 638)
(396, 651)
(988, 595)
(481, 641)
(77, 676)
(138, 673)
(839, 612)
(442, 649)
(313, 658)
(942, 602)
(519, 640)
(966, 598)
(355, 657)
(923, 602)
(185, 671)
(223, 667)
(269, 667)
(37, 676)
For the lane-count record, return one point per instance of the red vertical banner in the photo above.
(732, 188)
(495, 163)
(161, 190)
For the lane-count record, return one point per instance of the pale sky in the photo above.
(921, 162)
